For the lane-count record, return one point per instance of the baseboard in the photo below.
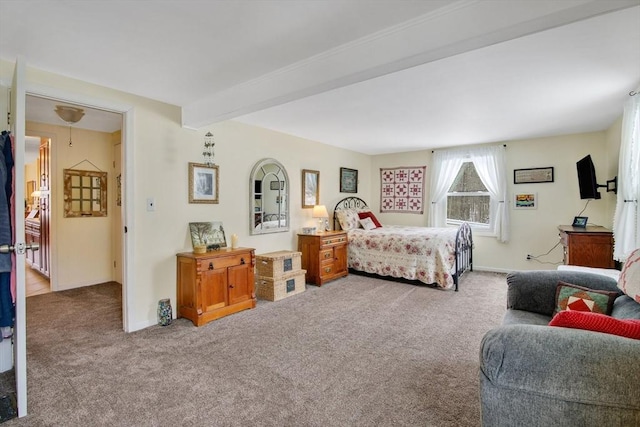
(492, 269)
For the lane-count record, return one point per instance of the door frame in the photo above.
(128, 216)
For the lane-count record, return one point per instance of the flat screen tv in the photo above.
(587, 178)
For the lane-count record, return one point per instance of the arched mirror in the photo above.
(269, 197)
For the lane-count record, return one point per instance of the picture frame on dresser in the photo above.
(580, 222)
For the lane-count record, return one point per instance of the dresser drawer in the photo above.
(326, 255)
(332, 241)
(222, 262)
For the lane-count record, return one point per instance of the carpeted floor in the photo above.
(356, 352)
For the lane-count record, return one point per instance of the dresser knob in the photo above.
(210, 266)
(230, 286)
(242, 261)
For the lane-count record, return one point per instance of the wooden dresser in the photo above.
(589, 247)
(215, 284)
(324, 256)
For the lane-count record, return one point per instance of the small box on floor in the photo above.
(277, 288)
(276, 264)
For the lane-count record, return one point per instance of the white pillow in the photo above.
(348, 219)
(629, 281)
(367, 223)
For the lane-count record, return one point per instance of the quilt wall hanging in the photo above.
(402, 189)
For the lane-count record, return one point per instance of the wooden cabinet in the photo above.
(215, 284)
(324, 256)
(589, 247)
(38, 259)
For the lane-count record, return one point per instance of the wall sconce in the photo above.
(208, 153)
(320, 212)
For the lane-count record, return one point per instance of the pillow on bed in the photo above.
(369, 214)
(367, 223)
(348, 219)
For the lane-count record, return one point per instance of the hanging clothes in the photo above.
(7, 308)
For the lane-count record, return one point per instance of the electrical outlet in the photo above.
(151, 204)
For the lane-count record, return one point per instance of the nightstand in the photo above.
(324, 256)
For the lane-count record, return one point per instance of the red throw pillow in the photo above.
(363, 215)
(629, 328)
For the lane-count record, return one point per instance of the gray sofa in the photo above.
(532, 374)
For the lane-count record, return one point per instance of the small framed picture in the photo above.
(525, 201)
(209, 234)
(348, 180)
(203, 183)
(580, 221)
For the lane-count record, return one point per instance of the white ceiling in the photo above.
(372, 76)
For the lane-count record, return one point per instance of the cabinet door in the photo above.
(239, 286)
(340, 262)
(213, 290)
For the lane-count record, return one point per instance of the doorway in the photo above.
(87, 144)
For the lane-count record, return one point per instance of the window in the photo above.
(458, 194)
(468, 199)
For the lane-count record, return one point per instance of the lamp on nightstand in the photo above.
(320, 212)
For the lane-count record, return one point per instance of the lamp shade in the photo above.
(320, 211)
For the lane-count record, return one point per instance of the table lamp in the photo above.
(320, 212)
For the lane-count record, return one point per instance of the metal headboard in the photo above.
(347, 203)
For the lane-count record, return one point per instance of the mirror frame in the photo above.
(101, 179)
(281, 194)
(307, 173)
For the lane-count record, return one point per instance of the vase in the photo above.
(164, 312)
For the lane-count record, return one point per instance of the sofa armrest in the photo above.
(535, 291)
(533, 373)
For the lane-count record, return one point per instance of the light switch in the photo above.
(151, 204)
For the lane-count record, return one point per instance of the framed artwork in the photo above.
(580, 221)
(310, 188)
(203, 183)
(525, 201)
(348, 180)
(209, 234)
(533, 175)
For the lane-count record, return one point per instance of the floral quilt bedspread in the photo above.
(414, 253)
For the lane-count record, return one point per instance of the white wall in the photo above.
(532, 231)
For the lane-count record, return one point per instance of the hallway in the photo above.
(35, 283)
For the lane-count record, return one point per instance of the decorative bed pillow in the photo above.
(369, 214)
(367, 223)
(629, 281)
(577, 298)
(348, 219)
(629, 328)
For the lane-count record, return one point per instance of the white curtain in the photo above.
(491, 165)
(444, 168)
(626, 222)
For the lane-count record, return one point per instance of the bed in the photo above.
(434, 256)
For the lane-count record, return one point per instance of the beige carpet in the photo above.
(356, 352)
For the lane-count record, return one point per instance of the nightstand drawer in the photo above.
(332, 241)
(326, 255)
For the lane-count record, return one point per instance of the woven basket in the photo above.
(278, 264)
(274, 289)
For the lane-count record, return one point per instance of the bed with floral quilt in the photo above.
(434, 256)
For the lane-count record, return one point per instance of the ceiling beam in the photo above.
(460, 27)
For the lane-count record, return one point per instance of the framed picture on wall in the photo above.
(525, 201)
(203, 183)
(348, 180)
